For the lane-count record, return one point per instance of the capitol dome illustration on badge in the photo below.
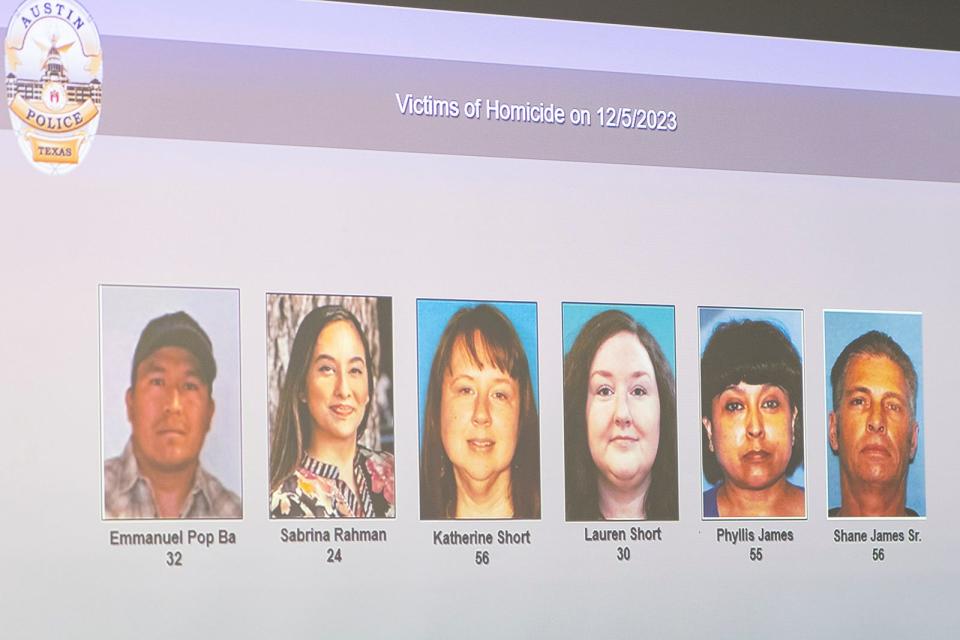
(54, 81)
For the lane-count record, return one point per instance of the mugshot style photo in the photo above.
(751, 397)
(620, 412)
(330, 406)
(874, 400)
(479, 417)
(170, 402)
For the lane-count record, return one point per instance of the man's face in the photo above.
(873, 430)
(169, 408)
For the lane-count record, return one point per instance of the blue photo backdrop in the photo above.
(658, 320)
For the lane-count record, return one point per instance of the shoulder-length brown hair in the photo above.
(582, 497)
(486, 333)
(293, 427)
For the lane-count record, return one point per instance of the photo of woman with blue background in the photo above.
(620, 412)
(751, 392)
(479, 424)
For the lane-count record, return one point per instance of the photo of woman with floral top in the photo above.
(323, 461)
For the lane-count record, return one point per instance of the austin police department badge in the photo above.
(54, 69)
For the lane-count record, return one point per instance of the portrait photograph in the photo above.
(170, 402)
(330, 406)
(874, 403)
(479, 410)
(751, 413)
(619, 412)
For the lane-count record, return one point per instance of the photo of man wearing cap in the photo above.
(169, 407)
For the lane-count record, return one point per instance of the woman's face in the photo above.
(479, 415)
(751, 431)
(623, 411)
(336, 384)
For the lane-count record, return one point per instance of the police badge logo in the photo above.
(54, 72)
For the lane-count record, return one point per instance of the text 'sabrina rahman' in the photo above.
(337, 534)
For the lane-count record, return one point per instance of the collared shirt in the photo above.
(908, 513)
(128, 494)
(315, 489)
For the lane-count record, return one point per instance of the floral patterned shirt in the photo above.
(315, 490)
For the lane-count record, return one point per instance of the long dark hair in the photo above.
(582, 497)
(754, 352)
(293, 426)
(484, 331)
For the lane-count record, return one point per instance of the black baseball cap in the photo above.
(177, 329)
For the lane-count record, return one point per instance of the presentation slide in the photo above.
(373, 322)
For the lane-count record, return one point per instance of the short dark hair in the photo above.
(582, 498)
(177, 329)
(483, 330)
(754, 352)
(873, 343)
(293, 426)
